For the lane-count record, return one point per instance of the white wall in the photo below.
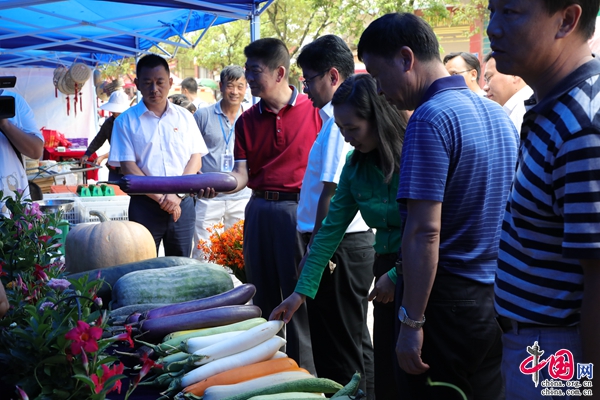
(35, 85)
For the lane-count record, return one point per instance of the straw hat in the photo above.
(117, 103)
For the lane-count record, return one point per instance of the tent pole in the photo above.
(254, 33)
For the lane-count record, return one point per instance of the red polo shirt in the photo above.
(276, 146)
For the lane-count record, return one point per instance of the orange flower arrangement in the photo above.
(225, 247)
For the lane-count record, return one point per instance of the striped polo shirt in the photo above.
(552, 216)
(461, 150)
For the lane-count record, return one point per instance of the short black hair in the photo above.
(190, 85)
(385, 36)
(151, 61)
(270, 51)
(488, 57)
(470, 60)
(327, 52)
(589, 11)
(231, 73)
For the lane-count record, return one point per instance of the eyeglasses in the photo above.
(307, 81)
(461, 72)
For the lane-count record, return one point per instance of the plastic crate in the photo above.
(114, 207)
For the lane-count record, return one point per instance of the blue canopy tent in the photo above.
(58, 32)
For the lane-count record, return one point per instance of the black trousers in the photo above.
(270, 261)
(462, 342)
(341, 341)
(176, 236)
(384, 337)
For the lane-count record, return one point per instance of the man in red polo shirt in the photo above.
(272, 142)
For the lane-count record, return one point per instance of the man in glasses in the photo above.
(272, 142)
(340, 337)
(467, 65)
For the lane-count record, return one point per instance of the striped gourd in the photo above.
(170, 285)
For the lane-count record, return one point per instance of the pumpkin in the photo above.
(109, 243)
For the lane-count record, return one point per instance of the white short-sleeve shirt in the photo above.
(12, 172)
(325, 163)
(160, 146)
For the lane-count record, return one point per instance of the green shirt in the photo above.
(361, 188)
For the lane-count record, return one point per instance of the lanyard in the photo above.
(228, 137)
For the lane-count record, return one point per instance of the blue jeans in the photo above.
(520, 386)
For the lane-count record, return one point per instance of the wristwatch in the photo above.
(403, 317)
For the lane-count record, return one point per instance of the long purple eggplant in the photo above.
(237, 296)
(136, 184)
(157, 328)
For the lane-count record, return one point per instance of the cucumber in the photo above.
(310, 385)
(171, 285)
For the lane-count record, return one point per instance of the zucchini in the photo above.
(289, 396)
(171, 285)
(309, 385)
(112, 274)
(351, 388)
(219, 392)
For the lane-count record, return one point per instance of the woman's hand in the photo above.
(383, 291)
(288, 307)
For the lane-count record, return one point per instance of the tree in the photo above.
(296, 22)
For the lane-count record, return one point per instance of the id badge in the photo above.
(227, 162)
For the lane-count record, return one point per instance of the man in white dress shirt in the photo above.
(340, 339)
(158, 138)
(509, 91)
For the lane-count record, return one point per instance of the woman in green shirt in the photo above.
(368, 183)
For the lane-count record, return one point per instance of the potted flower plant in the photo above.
(225, 247)
(54, 341)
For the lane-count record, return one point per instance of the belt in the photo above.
(276, 196)
(508, 324)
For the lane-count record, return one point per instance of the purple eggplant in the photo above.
(136, 184)
(237, 296)
(157, 328)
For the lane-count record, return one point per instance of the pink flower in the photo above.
(147, 365)
(40, 273)
(22, 394)
(34, 210)
(107, 373)
(84, 337)
(45, 238)
(125, 336)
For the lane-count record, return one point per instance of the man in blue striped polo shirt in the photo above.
(548, 280)
(457, 166)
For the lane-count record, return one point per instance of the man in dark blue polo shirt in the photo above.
(456, 169)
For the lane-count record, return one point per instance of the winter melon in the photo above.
(170, 285)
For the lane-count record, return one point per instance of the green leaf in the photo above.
(85, 379)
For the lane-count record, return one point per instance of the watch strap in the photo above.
(403, 317)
